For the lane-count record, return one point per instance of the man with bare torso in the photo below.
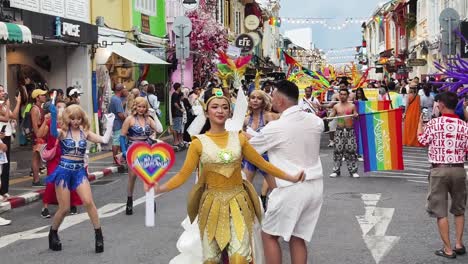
(345, 140)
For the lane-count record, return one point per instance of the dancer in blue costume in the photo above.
(71, 175)
(259, 115)
(138, 127)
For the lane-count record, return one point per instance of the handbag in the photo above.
(48, 154)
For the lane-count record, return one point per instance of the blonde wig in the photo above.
(266, 99)
(74, 112)
(136, 102)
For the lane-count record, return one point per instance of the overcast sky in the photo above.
(340, 9)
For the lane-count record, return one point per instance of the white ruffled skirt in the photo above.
(190, 247)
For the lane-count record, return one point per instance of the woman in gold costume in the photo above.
(226, 205)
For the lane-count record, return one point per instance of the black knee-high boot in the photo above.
(129, 207)
(54, 241)
(99, 240)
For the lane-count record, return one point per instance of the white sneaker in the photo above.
(360, 159)
(4, 222)
(334, 175)
(331, 144)
(355, 175)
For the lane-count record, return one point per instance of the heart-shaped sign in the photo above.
(150, 163)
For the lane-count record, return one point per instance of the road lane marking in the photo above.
(399, 177)
(374, 224)
(401, 173)
(108, 210)
(101, 156)
(418, 181)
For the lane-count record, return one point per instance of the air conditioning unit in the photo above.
(100, 21)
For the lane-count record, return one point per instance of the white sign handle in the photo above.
(149, 214)
(54, 95)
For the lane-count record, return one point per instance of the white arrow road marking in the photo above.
(380, 246)
(107, 210)
(374, 224)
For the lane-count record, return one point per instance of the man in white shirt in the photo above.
(293, 144)
(308, 103)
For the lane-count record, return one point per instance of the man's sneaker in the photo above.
(45, 213)
(6, 195)
(331, 144)
(73, 210)
(360, 158)
(355, 175)
(334, 175)
(4, 222)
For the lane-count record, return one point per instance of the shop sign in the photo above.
(464, 44)
(244, 42)
(233, 51)
(66, 29)
(145, 24)
(416, 62)
(255, 37)
(44, 26)
(251, 22)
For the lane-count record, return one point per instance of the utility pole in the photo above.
(182, 30)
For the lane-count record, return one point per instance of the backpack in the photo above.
(26, 123)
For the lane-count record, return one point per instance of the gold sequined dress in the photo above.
(226, 204)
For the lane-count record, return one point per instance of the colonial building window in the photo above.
(392, 34)
(238, 23)
(227, 12)
(147, 7)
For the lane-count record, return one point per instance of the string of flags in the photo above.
(326, 22)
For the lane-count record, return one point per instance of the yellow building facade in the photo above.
(117, 13)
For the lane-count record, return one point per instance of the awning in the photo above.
(15, 33)
(134, 54)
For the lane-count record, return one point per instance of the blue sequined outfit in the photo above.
(245, 163)
(138, 133)
(70, 173)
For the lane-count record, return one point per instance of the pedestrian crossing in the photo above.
(416, 170)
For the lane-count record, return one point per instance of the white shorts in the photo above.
(332, 125)
(294, 210)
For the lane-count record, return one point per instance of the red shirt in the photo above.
(447, 138)
(53, 163)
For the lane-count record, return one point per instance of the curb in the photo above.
(27, 198)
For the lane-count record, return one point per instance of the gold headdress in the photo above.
(216, 93)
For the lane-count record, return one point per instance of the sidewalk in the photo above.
(101, 164)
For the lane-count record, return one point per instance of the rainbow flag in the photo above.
(382, 140)
(364, 107)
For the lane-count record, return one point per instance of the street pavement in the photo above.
(379, 218)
